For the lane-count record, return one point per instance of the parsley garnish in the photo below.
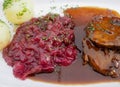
(21, 13)
(44, 38)
(8, 3)
(91, 27)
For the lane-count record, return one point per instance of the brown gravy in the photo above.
(76, 73)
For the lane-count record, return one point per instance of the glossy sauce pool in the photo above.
(77, 73)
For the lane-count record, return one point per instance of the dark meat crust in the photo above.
(102, 60)
(105, 31)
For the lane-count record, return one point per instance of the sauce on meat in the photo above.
(77, 73)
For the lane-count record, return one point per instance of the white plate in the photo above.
(42, 7)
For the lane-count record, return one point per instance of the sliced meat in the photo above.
(102, 60)
(105, 31)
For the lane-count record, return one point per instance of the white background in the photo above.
(42, 7)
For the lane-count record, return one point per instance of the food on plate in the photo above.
(103, 31)
(40, 45)
(46, 45)
(100, 37)
(4, 35)
(18, 11)
(81, 16)
(102, 60)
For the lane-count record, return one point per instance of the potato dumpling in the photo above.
(18, 11)
(5, 35)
